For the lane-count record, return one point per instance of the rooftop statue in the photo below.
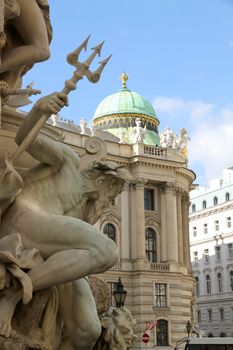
(138, 132)
(169, 139)
(47, 237)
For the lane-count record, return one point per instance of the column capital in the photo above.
(185, 199)
(126, 186)
(139, 183)
(168, 187)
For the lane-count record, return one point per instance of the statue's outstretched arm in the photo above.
(42, 148)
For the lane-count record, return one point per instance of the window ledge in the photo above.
(161, 311)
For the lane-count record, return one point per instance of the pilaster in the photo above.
(185, 206)
(125, 237)
(180, 226)
(171, 222)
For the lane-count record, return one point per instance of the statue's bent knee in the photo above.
(105, 253)
(113, 253)
(41, 54)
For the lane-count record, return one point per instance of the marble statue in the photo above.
(54, 213)
(83, 126)
(25, 35)
(48, 244)
(138, 132)
(169, 139)
(117, 331)
(182, 141)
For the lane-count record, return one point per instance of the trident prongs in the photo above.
(96, 51)
(82, 68)
(95, 76)
(72, 57)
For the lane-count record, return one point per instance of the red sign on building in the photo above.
(145, 338)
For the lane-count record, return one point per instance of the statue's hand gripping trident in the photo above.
(82, 69)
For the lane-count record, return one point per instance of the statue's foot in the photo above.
(8, 301)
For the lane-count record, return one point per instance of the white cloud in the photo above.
(210, 128)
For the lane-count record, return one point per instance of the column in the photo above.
(125, 235)
(139, 219)
(180, 226)
(163, 243)
(185, 217)
(171, 223)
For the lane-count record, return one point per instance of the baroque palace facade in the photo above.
(148, 221)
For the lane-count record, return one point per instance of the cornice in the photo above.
(116, 117)
(210, 212)
(152, 222)
(212, 239)
(161, 164)
(111, 217)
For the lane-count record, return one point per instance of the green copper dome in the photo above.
(125, 101)
(122, 112)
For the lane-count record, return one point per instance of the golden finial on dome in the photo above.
(124, 77)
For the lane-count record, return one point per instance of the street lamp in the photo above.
(119, 294)
(188, 328)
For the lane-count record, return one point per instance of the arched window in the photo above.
(208, 284)
(197, 286)
(151, 246)
(231, 280)
(162, 333)
(215, 200)
(110, 231)
(219, 277)
(204, 205)
(193, 208)
(227, 196)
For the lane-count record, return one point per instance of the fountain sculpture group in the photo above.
(48, 244)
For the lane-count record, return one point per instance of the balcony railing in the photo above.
(159, 267)
(155, 151)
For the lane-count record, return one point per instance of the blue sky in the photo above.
(178, 55)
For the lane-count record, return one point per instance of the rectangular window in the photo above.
(194, 231)
(205, 228)
(148, 199)
(221, 314)
(209, 313)
(218, 252)
(195, 256)
(206, 255)
(228, 222)
(216, 225)
(230, 250)
(199, 316)
(160, 295)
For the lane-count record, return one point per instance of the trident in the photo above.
(82, 69)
